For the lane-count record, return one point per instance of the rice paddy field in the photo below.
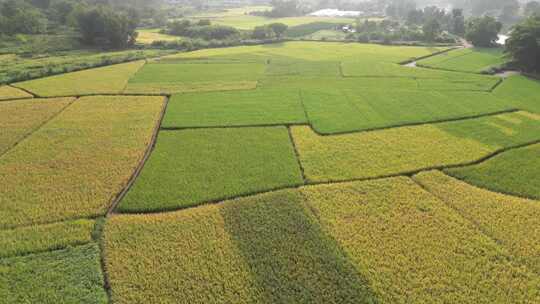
(298, 172)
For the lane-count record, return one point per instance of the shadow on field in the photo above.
(288, 254)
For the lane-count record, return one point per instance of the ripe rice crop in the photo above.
(106, 80)
(261, 249)
(19, 118)
(188, 77)
(512, 222)
(72, 275)
(522, 92)
(73, 166)
(407, 149)
(466, 60)
(191, 167)
(514, 172)
(412, 248)
(239, 108)
(48, 237)
(7, 92)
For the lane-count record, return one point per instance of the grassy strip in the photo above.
(20, 118)
(515, 172)
(261, 249)
(8, 92)
(106, 80)
(191, 167)
(513, 222)
(409, 149)
(520, 91)
(256, 107)
(413, 248)
(66, 276)
(39, 238)
(74, 165)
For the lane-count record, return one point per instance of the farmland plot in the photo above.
(66, 276)
(74, 165)
(235, 108)
(158, 78)
(514, 172)
(261, 249)
(406, 149)
(466, 60)
(513, 222)
(522, 92)
(413, 248)
(106, 80)
(19, 118)
(25, 240)
(7, 92)
(335, 111)
(191, 167)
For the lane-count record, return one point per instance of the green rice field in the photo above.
(292, 172)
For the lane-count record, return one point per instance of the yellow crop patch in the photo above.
(261, 249)
(74, 165)
(513, 222)
(171, 88)
(45, 237)
(19, 118)
(106, 80)
(380, 153)
(414, 249)
(7, 92)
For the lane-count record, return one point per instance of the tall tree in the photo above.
(483, 31)
(523, 45)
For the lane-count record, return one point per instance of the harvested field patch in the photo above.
(522, 92)
(74, 165)
(262, 249)
(66, 276)
(191, 167)
(346, 110)
(515, 172)
(106, 80)
(474, 60)
(413, 248)
(406, 149)
(241, 108)
(513, 222)
(48, 237)
(7, 93)
(190, 77)
(19, 118)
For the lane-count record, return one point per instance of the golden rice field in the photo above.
(21, 117)
(74, 165)
(10, 93)
(105, 80)
(295, 172)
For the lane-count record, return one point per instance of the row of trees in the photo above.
(202, 29)
(98, 21)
